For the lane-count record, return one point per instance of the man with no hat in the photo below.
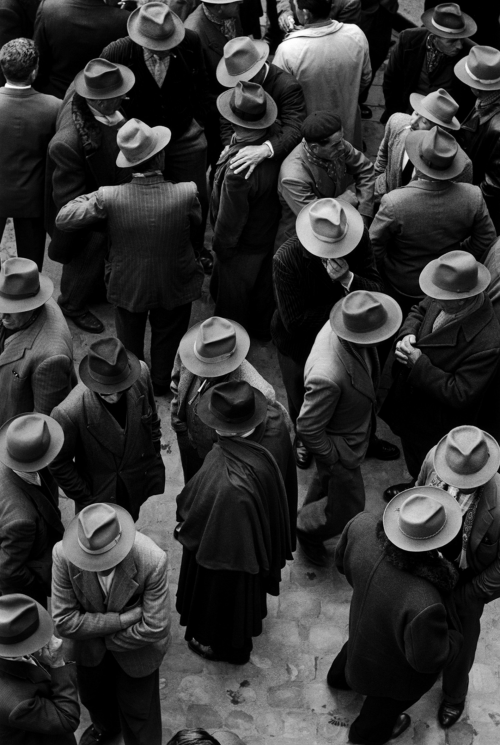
(110, 599)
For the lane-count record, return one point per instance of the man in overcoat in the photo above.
(110, 599)
(111, 450)
(402, 628)
(465, 464)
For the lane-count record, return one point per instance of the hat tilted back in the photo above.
(28, 438)
(363, 312)
(421, 517)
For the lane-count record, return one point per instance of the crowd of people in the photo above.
(125, 128)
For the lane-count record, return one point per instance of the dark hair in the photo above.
(192, 737)
(18, 59)
(317, 8)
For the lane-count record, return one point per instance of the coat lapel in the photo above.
(124, 585)
(16, 345)
(358, 373)
(135, 408)
(397, 156)
(100, 424)
(89, 586)
(42, 505)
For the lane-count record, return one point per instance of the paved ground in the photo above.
(281, 697)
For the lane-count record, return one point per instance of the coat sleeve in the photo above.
(483, 233)
(296, 193)
(58, 713)
(51, 381)
(361, 169)
(393, 80)
(366, 73)
(427, 642)
(320, 401)
(364, 268)
(291, 113)
(232, 215)
(87, 210)
(383, 227)
(17, 541)
(178, 424)
(63, 466)
(382, 160)
(414, 319)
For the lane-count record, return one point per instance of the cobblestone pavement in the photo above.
(281, 696)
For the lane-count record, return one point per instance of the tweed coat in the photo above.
(340, 393)
(36, 365)
(483, 546)
(30, 525)
(400, 637)
(93, 627)
(96, 453)
(348, 11)
(456, 217)
(27, 124)
(444, 387)
(38, 707)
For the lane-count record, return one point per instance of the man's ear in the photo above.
(307, 16)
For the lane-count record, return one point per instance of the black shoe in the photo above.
(395, 489)
(206, 260)
(314, 552)
(449, 714)
(382, 450)
(366, 112)
(402, 723)
(161, 390)
(92, 736)
(88, 322)
(203, 651)
(302, 456)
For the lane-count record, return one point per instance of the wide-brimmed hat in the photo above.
(22, 287)
(234, 406)
(454, 276)
(154, 26)
(101, 79)
(99, 537)
(241, 60)
(422, 518)
(248, 105)
(436, 153)
(448, 22)
(480, 69)
(25, 625)
(139, 142)
(214, 347)
(438, 107)
(366, 317)
(109, 367)
(329, 228)
(467, 457)
(29, 442)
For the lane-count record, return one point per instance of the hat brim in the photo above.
(155, 44)
(95, 385)
(223, 104)
(467, 481)
(100, 562)
(163, 135)
(451, 528)
(229, 81)
(29, 303)
(56, 443)
(463, 75)
(469, 30)
(211, 420)
(317, 247)
(394, 320)
(412, 143)
(213, 369)
(432, 290)
(416, 102)
(36, 641)
(82, 88)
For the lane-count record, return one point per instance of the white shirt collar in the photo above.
(20, 87)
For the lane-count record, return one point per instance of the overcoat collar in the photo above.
(123, 586)
(446, 336)
(425, 185)
(24, 670)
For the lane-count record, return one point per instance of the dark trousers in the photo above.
(292, 374)
(456, 674)
(83, 277)
(116, 701)
(415, 452)
(167, 329)
(378, 715)
(30, 237)
(377, 28)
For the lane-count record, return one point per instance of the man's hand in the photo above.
(52, 654)
(249, 157)
(286, 22)
(129, 617)
(336, 268)
(406, 353)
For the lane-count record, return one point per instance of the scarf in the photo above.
(433, 56)
(110, 120)
(227, 26)
(443, 318)
(335, 168)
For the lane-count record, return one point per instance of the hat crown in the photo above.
(466, 450)
(108, 361)
(19, 279)
(240, 55)
(448, 16)
(438, 148)
(101, 76)
(328, 220)
(441, 105)
(28, 438)
(362, 312)
(19, 618)
(233, 402)
(99, 528)
(483, 64)
(248, 101)
(155, 21)
(421, 517)
(135, 140)
(456, 271)
(215, 341)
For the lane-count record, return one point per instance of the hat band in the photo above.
(327, 239)
(423, 537)
(480, 80)
(104, 88)
(213, 360)
(24, 634)
(102, 550)
(110, 379)
(448, 30)
(247, 116)
(19, 295)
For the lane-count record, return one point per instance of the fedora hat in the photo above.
(366, 317)
(99, 537)
(232, 407)
(101, 79)
(139, 142)
(439, 107)
(454, 276)
(436, 153)
(215, 347)
(329, 228)
(22, 287)
(480, 69)
(29, 442)
(422, 518)
(448, 22)
(241, 60)
(109, 367)
(154, 26)
(25, 626)
(248, 105)
(467, 457)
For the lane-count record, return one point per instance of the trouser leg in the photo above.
(83, 276)
(139, 707)
(292, 374)
(456, 674)
(97, 689)
(336, 674)
(415, 452)
(376, 720)
(131, 329)
(30, 238)
(167, 329)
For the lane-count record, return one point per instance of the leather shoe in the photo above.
(402, 723)
(448, 714)
(88, 322)
(314, 552)
(206, 260)
(382, 450)
(395, 489)
(302, 456)
(203, 651)
(92, 736)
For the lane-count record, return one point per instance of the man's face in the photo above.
(13, 321)
(107, 106)
(418, 121)
(452, 306)
(229, 10)
(450, 47)
(111, 398)
(329, 147)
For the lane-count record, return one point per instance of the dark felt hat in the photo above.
(447, 21)
(364, 317)
(109, 367)
(101, 79)
(234, 406)
(248, 105)
(25, 626)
